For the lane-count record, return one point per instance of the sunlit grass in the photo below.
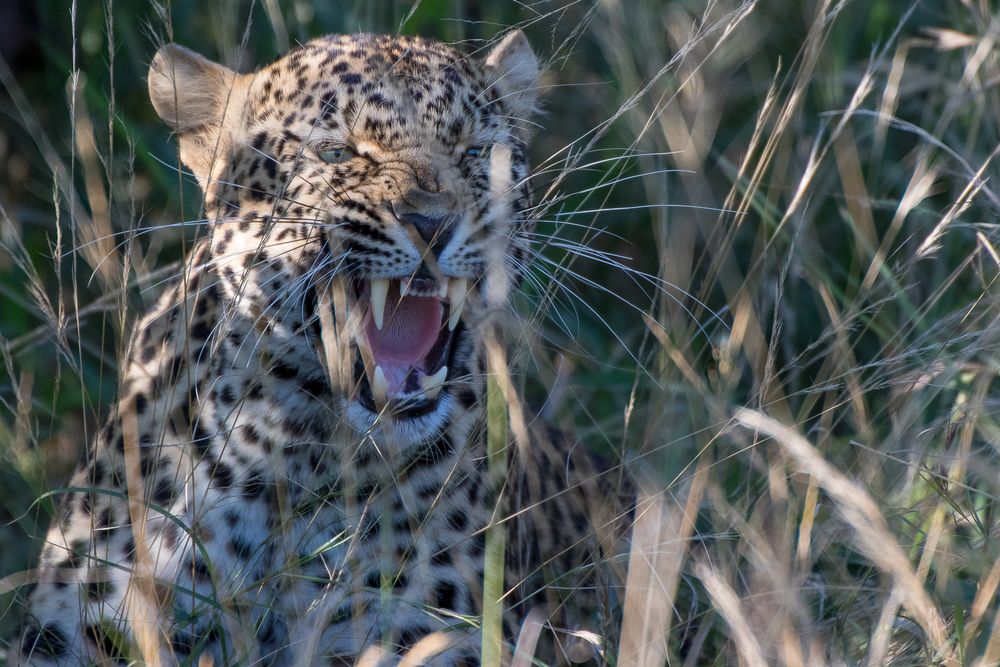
(765, 286)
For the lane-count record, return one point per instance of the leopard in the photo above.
(296, 469)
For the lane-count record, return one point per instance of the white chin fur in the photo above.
(402, 433)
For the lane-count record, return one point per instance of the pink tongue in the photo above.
(410, 327)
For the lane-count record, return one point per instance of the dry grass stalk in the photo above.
(141, 600)
(527, 638)
(97, 238)
(660, 535)
(991, 656)
(425, 649)
(875, 539)
(984, 597)
(499, 400)
(728, 605)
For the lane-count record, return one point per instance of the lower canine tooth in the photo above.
(431, 384)
(380, 388)
(457, 289)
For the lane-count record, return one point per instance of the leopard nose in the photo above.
(435, 230)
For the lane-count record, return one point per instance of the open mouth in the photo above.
(407, 343)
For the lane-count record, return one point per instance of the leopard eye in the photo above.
(476, 151)
(337, 155)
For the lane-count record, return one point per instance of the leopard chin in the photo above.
(402, 433)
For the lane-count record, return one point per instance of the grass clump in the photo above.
(765, 285)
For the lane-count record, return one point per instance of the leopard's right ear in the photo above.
(188, 90)
(198, 99)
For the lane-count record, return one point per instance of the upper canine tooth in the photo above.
(457, 289)
(380, 388)
(379, 290)
(431, 384)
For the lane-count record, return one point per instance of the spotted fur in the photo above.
(242, 504)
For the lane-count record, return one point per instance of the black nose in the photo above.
(436, 231)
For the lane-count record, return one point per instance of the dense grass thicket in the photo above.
(767, 288)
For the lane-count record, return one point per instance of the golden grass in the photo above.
(766, 290)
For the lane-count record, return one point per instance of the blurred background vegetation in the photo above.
(780, 205)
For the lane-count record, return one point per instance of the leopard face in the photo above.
(374, 186)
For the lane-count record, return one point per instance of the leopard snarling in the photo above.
(294, 472)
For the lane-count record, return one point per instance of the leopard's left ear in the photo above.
(515, 73)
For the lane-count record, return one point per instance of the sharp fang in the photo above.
(457, 289)
(379, 291)
(431, 384)
(380, 388)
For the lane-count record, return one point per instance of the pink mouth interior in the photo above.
(409, 331)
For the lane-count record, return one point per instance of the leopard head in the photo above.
(391, 168)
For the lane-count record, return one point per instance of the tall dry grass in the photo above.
(765, 288)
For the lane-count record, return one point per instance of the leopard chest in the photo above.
(378, 553)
